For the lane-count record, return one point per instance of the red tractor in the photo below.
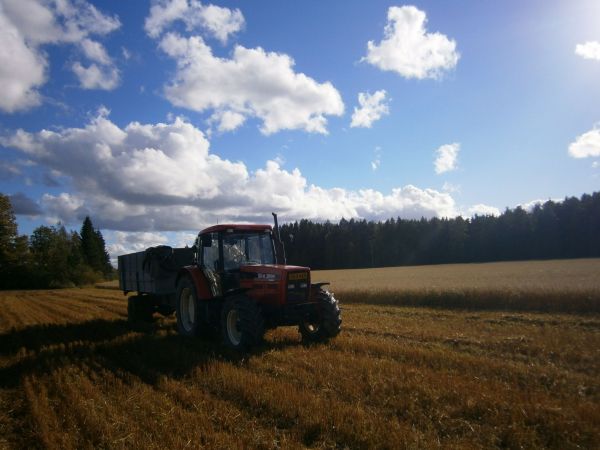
(233, 281)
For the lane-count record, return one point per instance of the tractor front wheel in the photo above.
(242, 323)
(324, 323)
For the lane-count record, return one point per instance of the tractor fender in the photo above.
(199, 280)
(317, 286)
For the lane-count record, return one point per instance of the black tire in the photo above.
(325, 323)
(139, 309)
(242, 323)
(188, 308)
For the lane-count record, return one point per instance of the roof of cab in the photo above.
(236, 227)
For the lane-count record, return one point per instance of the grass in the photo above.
(73, 374)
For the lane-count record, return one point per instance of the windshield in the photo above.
(247, 248)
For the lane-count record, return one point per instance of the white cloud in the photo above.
(372, 108)
(96, 77)
(450, 187)
(123, 242)
(408, 49)
(586, 145)
(227, 120)
(162, 177)
(22, 69)
(528, 206)
(65, 21)
(253, 83)
(217, 21)
(377, 159)
(589, 50)
(446, 158)
(482, 210)
(95, 51)
(102, 73)
(27, 25)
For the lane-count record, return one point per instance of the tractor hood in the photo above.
(273, 272)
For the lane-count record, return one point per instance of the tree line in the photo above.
(51, 256)
(566, 229)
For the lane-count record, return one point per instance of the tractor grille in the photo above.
(297, 287)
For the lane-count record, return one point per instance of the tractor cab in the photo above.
(245, 257)
(224, 250)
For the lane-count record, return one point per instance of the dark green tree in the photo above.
(93, 248)
(14, 254)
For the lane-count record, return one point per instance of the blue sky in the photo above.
(160, 118)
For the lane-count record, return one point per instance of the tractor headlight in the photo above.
(291, 286)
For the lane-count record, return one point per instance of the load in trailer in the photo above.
(233, 281)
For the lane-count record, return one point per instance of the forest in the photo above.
(552, 230)
(55, 257)
(51, 257)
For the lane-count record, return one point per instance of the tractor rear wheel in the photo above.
(138, 309)
(325, 323)
(242, 323)
(188, 317)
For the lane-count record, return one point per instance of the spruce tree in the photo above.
(93, 248)
(8, 233)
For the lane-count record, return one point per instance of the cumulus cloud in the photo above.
(9, 170)
(253, 83)
(227, 120)
(588, 50)
(217, 21)
(408, 49)
(23, 205)
(482, 210)
(123, 242)
(372, 108)
(162, 177)
(27, 25)
(22, 69)
(446, 158)
(96, 76)
(530, 205)
(450, 187)
(586, 145)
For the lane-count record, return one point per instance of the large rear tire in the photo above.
(325, 323)
(188, 308)
(242, 323)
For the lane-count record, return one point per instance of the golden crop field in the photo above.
(74, 374)
(551, 286)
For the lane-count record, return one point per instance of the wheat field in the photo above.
(547, 286)
(74, 374)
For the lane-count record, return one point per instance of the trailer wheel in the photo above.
(323, 324)
(188, 317)
(242, 323)
(139, 310)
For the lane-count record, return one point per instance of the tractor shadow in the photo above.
(148, 352)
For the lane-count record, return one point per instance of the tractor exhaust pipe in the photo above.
(279, 247)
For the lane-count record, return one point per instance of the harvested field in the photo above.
(73, 374)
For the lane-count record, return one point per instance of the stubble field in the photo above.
(74, 374)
